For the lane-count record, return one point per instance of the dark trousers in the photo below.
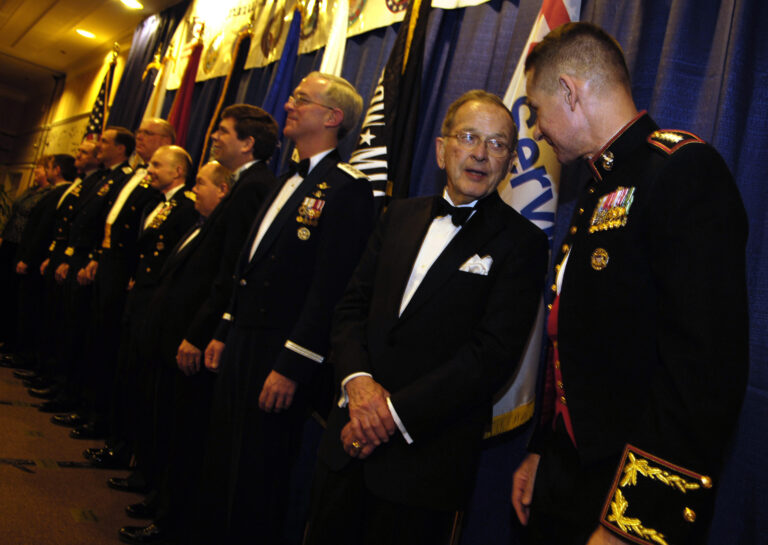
(345, 512)
(568, 496)
(9, 284)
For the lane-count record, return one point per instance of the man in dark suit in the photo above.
(60, 172)
(194, 289)
(52, 339)
(273, 339)
(86, 232)
(161, 226)
(111, 264)
(648, 362)
(185, 282)
(433, 323)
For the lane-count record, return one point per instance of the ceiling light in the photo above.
(132, 4)
(85, 33)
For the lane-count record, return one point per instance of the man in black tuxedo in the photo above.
(272, 341)
(194, 288)
(433, 323)
(648, 363)
(184, 284)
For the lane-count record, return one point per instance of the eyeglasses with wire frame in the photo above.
(301, 100)
(497, 147)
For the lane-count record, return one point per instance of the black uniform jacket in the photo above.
(156, 242)
(127, 224)
(195, 282)
(86, 231)
(652, 328)
(35, 240)
(65, 213)
(456, 343)
(300, 269)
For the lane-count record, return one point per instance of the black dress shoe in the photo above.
(107, 458)
(126, 485)
(144, 534)
(7, 360)
(39, 382)
(93, 451)
(89, 430)
(70, 420)
(140, 510)
(58, 405)
(44, 393)
(25, 374)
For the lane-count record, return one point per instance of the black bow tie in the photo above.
(301, 167)
(459, 214)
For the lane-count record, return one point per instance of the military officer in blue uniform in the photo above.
(272, 342)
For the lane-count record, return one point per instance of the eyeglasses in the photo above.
(300, 100)
(145, 132)
(469, 141)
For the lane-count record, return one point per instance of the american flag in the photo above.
(96, 120)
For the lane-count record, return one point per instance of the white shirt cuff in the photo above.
(344, 398)
(399, 422)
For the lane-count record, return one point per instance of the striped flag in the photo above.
(532, 190)
(388, 135)
(96, 120)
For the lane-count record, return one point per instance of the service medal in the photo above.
(612, 210)
(303, 233)
(599, 259)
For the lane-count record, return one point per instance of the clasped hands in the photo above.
(370, 420)
(277, 392)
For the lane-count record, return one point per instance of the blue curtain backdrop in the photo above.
(699, 65)
(133, 94)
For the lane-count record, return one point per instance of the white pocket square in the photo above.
(477, 265)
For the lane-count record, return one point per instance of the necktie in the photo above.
(459, 214)
(300, 167)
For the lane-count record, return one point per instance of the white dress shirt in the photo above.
(286, 191)
(440, 233)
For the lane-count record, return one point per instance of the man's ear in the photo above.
(335, 118)
(440, 152)
(247, 144)
(569, 90)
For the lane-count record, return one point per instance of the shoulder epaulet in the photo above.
(352, 171)
(127, 169)
(190, 195)
(669, 140)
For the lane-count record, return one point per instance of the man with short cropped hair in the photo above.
(648, 360)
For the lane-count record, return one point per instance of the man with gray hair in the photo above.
(272, 342)
(430, 327)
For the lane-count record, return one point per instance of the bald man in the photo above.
(162, 226)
